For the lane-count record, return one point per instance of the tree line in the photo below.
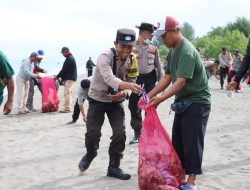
(232, 36)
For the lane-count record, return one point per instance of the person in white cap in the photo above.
(22, 81)
(33, 81)
(192, 98)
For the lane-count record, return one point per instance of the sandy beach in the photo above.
(38, 151)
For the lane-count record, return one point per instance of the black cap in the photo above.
(85, 83)
(146, 26)
(126, 36)
(64, 49)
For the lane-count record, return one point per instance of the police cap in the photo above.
(126, 36)
(146, 26)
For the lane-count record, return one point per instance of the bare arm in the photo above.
(172, 90)
(161, 86)
(83, 112)
(9, 104)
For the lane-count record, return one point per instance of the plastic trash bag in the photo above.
(159, 167)
(240, 86)
(50, 99)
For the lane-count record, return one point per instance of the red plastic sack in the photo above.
(247, 80)
(159, 167)
(50, 99)
(240, 86)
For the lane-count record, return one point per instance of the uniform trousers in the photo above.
(188, 134)
(95, 119)
(136, 118)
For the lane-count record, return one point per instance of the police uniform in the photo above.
(100, 103)
(149, 73)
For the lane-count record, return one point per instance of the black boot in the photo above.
(136, 138)
(86, 161)
(115, 171)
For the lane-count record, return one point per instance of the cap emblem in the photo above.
(128, 38)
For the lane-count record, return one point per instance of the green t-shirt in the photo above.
(186, 62)
(6, 71)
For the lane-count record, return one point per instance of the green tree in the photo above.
(163, 51)
(211, 46)
(241, 24)
(218, 31)
(188, 31)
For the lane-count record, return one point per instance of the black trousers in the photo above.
(230, 76)
(76, 111)
(223, 74)
(90, 71)
(136, 117)
(95, 119)
(188, 136)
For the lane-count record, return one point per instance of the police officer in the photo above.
(115, 72)
(149, 72)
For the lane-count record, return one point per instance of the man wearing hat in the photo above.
(22, 81)
(68, 75)
(33, 81)
(187, 74)
(149, 73)
(115, 72)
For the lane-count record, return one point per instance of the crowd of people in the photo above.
(226, 67)
(133, 64)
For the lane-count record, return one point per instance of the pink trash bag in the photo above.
(159, 167)
(247, 80)
(240, 86)
(50, 99)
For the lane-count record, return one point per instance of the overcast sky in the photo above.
(88, 27)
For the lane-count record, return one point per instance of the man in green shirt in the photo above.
(6, 79)
(192, 98)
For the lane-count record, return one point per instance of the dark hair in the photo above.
(85, 83)
(217, 61)
(223, 49)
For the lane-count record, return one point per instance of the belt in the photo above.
(145, 75)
